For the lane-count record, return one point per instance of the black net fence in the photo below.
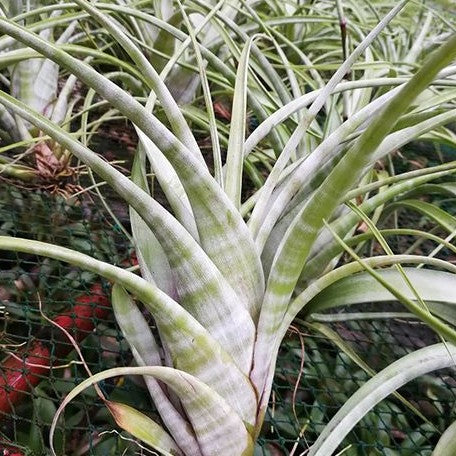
(314, 374)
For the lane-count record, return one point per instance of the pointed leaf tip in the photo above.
(143, 428)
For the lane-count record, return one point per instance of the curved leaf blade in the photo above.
(223, 233)
(446, 446)
(218, 428)
(201, 285)
(235, 152)
(387, 381)
(194, 349)
(146, 353)
(143, 428)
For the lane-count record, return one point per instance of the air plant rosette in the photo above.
(223, 291)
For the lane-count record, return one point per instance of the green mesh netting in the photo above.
(301, 404)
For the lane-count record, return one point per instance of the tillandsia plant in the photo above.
(34, 81)
(224, 277)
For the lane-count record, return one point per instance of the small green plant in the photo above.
(223, 291)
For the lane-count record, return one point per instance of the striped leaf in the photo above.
(218, 428)
(152, 259)
(235, 152)
(224, 235)
(174, 114)
(263, 202)
(201, 286)
(294, 250)
(146, 353)
(436, 288)
(193, 348)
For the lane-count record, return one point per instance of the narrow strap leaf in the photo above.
(446, 446)
(307, 303)
(152, 259)
(390, 379)
(193, 348)
(348, 350)
(343, 224)
(310, 171)
(170, 184)
(431, 211)
(271, 74)
(172, 111)
(432, 286)
(210, 299)
(261, 208)
(235, 152)
(294, 250)
(216, 151)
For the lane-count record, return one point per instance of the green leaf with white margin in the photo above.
(437, 288)
(201, 287)
(143, 428)
(235, 152)
(146, 353)
(193, 349)
(223, 233)
(446, 446)
(387, 381)
(219, 430)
